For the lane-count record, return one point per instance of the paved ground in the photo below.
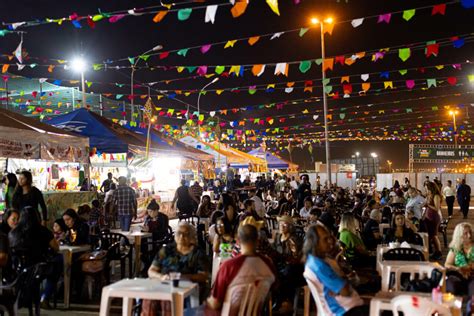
(92, 307)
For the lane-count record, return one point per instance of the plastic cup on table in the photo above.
(175, 277)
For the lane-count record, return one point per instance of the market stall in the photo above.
(121, 151)
(225, 155)
(49, 153)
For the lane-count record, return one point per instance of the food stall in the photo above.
(48, 153)
(121, 151)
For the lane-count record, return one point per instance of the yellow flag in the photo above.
(273, 4)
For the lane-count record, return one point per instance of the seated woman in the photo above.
(78, 230)
(287, 258)
(399, 232)
(355, 249)
(184, 257)
(156, 222)
(224, 239)
(460, 262)
(9, 221)
(206, 207)
(32, 243)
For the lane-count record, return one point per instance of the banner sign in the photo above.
(11, 148)
(450, 154)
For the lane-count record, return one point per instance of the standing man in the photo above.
(303, 191)
(126, 203)
(196, 192)
(449, 195)
(464, 197)
(229, 177)
(105, 187)
(259, 207)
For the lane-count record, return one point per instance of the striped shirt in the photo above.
(126, 201)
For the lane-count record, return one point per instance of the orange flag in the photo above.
(239, 8)
(159, 16)
(328, 27)
(5, 68)
(366, 86)
(257, 70)
(51, 68)
(344, 79)
(328, 64)
(253, 40)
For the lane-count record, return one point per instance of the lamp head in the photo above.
(374, 155)
(314, 21)
(329, 20)
(215, 80)
(78, 64)
(157, 47)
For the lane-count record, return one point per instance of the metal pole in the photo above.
(325, 104)
(83, 82)
(41, 94)
(101, 105)
(6, 93)
(73, 101)
(455, 132)
(132, 103)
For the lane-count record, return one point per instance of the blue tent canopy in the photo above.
(103, 134)
(273, 162)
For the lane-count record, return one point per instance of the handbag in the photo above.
(93, 262)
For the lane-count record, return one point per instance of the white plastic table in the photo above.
(67, 252)
(135, 238)
(151, 289)
(382, 302)
(383, 249)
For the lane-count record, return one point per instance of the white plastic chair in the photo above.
(412, 305)
(422, 269)
(317, 292)
(246, 299)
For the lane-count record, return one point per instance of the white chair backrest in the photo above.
(216, 263)
(317, 292)
(246, 299)
(417, 306)
(424, 236)
(421, 269)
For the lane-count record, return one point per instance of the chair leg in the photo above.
(122, 268)
(295, 301)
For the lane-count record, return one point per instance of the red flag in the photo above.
(439, 9)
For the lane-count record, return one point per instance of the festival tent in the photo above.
(26, 138)
(224, 154)
(107, 136)
(273, 161)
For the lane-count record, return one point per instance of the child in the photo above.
(59, 230)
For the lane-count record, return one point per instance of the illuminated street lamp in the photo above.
(316, 21)
(389, 162)
(79, 65)
(453, 114)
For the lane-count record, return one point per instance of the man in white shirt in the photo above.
(415, 202)
(293, 183)
(259, 207)
(449, 194)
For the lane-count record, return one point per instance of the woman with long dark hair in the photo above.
(28, 195)
(29, 240)
(78, 230)
(432, 217)
(11, 182)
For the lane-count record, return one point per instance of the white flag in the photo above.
(364, 77)
(20, 67)
(276, 35)
(210, 13)
(17, 53)
(281, 68)
(357, 22)
(289, 90)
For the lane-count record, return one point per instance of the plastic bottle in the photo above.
(436, 295)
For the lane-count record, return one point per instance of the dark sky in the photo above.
(134, 35)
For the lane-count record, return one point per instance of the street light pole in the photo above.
(199, 99)
(83, 82)
(454, 113)
(325, 102)
(132, 78)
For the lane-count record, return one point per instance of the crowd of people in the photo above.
(279, 229)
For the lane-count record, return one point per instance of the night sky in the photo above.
(132, 36)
